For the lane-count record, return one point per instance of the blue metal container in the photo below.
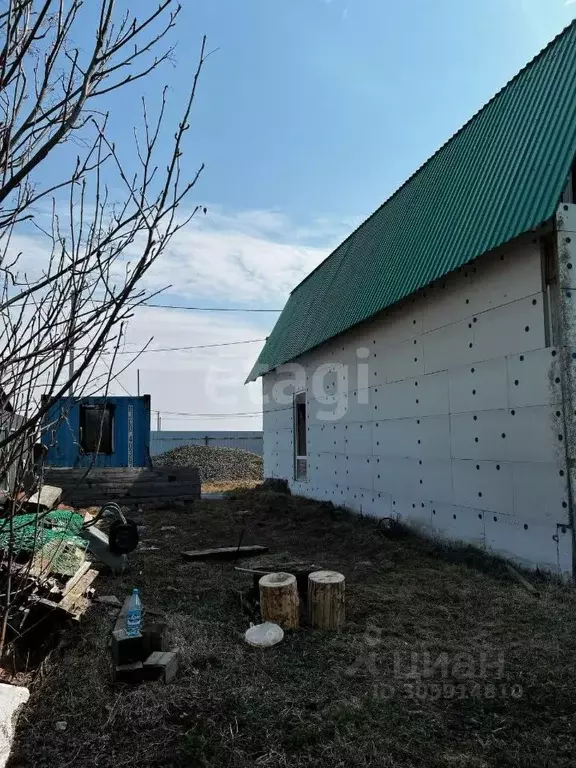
(98, 431)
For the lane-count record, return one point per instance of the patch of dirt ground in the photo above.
(445, 662)
(221, 486)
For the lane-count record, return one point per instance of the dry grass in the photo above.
(223, 486)
(314, 700)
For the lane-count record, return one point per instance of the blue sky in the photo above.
(309, 114)
(319, 108)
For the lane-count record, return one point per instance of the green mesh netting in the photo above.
(59, 556)
(32, 532)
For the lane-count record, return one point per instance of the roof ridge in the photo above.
(448, 141)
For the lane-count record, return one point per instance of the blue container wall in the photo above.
(131, 429)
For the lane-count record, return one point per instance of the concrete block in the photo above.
(393, 401)
(129, 673)
(510, 329)
(395, 437)
(377, 505)
(359, 472)
(405, 360)
(540, 491)
(531, 544)
(416, 513)
(534, 378)
(460, 523)
(165, 663)
(46, 498)
(126, 649)
(358, 439)
(434, 481)
(444, 303)
(12, 699)
(154, 635)
(507, 435)
(511, 273)
(432, 394)
(433, 437)
(484, 484)
(447, 347)
(98, 545)
(397, 476)
(479, 387)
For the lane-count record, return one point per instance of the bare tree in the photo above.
(80, 224)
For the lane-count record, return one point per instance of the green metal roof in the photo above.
(501, 175)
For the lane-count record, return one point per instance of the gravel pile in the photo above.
(214, 463)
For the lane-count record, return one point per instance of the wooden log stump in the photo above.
(279, 599)
(326, 609)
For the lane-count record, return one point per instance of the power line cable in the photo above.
(196, 346)
(187, 413)
(207, 309)
(125, 390)
(223, 417)
(175, 415)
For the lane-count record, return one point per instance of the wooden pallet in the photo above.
(128, 485)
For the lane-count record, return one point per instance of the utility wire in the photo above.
(187, 413)
(207, 309)
(196, 346)
(176, 415)
(224, 417)
(124, 388)
(154, 305)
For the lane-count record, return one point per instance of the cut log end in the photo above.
(327, 577)
(277, 580)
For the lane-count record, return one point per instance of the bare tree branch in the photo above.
(72, 256)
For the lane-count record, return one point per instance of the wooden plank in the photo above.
(147, 490)
(224, 553)
(132, 486)
(521, 580)
(47, 497)
(73, 580)
(75, 602)
(109, 493)
(119, 482)
(98, 500)
(69, 475)
(173, 490)
(138, 487)
(162, 499)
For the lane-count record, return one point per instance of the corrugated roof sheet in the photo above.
(501, 175)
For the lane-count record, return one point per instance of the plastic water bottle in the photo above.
(134, 615)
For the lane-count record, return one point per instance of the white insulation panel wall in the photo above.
(445, 411)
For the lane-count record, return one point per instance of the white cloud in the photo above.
(251, 256)
(199, 381)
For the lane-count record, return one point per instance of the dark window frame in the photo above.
(550, 292)
(300, 431)
(103, 441)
